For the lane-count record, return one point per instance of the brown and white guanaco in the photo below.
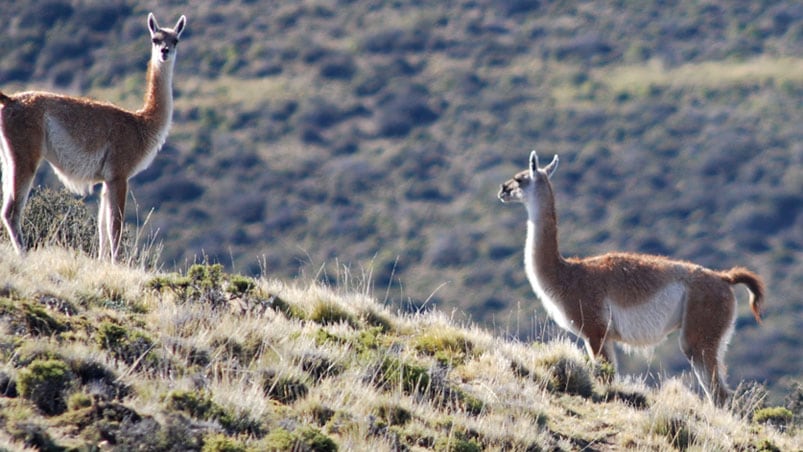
(633, 299)
(87, 142)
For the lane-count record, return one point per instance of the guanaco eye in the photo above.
(156, 41)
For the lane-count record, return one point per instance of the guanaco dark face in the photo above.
(513, 190)
(527, 183)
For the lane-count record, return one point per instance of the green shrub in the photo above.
(447, 346)
(279, 440)
(776, 416)
(240, 285)
(199, 405)
(369, 339)
(392, 373)
(79, 400)
(222, 443)
(196, 404)
(304, 438)
(328, 313)
(393, 414)
(39, 322)
(322, 336)
(202, 283)
(376, 320)
(310, 438)
(45, 383)
(290, 311)
(128, 346)
(767, 445)
(604, 371)
(206, 284)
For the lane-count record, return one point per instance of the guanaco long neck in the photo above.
(542, 260)
(158, 109)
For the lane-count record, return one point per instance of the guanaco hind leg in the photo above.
(704, 338)
(17, 178)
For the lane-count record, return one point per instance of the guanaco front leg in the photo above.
(110, 216)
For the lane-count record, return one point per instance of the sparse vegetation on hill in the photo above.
(317, 133)
(117, 357)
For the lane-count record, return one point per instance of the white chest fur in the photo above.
(552, 306)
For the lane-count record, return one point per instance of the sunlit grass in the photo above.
(250, 367)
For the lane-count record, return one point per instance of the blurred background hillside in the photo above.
(319, 138)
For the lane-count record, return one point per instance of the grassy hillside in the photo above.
(315, 135)
(123, 357)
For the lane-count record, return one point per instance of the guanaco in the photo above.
(87, 142)
(633, 299)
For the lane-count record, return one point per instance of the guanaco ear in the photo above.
(533, 164)
(180, 25)
(550, 169)
(153, 26)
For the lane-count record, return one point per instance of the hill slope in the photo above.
(315, 134)
(123, 357)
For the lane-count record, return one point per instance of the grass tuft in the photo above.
(185, 375)
(284, 389)
(449, 347)
(45, 383)
(304, 438)
(569, 375)
(677, 430)
(328, 313)
(393, 414)
(393, 373)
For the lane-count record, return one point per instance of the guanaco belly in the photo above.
(648, 323)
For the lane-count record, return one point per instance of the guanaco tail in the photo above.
(633, 299)
(87, 142)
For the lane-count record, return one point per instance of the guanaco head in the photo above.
(164, 39)
(528, 183)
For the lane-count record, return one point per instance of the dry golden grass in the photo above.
(265, 373)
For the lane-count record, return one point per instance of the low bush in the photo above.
(778, 417)
(130, 346)
(45, 383)
(200, 405)
(222, 443)
(304, 438)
